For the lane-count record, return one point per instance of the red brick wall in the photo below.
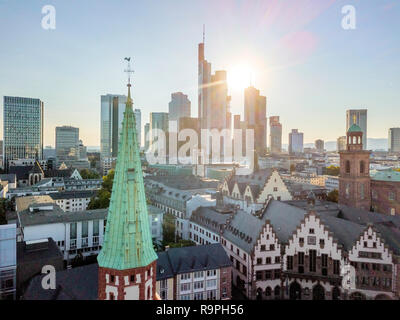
(121, 284)
(226, 282)
(381, 202)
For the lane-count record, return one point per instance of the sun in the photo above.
(240, 77)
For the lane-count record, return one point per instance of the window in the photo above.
(347, 166)
(259, 275)
(211, 283)
(72, 231)
(312, 231)
(391, 196)
(185, 286)
(289, 262)
(272, 247)
(263, 247)
(313, 260)
(259, 261)
(362, 167)
(84, 229)
(268, 260)
(198, 285)
(301, 258)
(336, 267)
(268, 274)
(244, 270)
(277, 259)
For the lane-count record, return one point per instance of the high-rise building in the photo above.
(214, 102)
(296, 142)
(159, 120)
(204, 79)
(146, 136)
(67, 143)
(354, 179)
(179, 107)
(394, 140)
(127, 261)
(138, 120)
(22, 128)
(359, 117)
(320, 145)
(8, 261)
(275, 128)
(341, 143)
(112, 114)
(255, 117)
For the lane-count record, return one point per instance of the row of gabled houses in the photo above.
(296, 251)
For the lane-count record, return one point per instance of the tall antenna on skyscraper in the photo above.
(204, 33)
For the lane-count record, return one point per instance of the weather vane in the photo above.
(129, 70)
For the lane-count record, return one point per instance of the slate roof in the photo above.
(58, 216)
(196, 258)
(259, 177)
(79, 283)
(73, 194)
(210, 218)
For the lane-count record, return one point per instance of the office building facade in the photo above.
(22, 128)
(275, 128)
(359, 117)
(67, 143)
(296, 142)
(394, 140)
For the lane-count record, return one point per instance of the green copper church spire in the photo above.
(127, 242)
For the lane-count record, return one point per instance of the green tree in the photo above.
(332, 170)
(333, 196)
(292, 168)
(89, 174)
(102, 199)
(168, 229)
(182, 243)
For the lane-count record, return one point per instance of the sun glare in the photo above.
(240, 77)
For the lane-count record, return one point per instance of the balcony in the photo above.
(85, 242)
(95, 240)
(72, 244)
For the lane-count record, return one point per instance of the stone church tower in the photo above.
(354, 180)
(127, 260)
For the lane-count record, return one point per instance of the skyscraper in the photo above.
(394, 140)
(159, 120)
(275, 128)
(22, 128)
(214, 102)
(112, 114)
(179, 107)
(255, 117)
(296, 142)
(359, 117)
(146, 136)
(319, 145)
(341, 143)
(67, 143)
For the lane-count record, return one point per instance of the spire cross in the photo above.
(129, 70)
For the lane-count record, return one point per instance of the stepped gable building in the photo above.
(306, 249)
(127, 260)
(251, 191)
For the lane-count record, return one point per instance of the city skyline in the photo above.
(311, 56)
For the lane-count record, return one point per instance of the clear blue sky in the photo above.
(310, 69)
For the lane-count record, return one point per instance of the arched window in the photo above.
(362, 167)
(347, 166)
(277, 291)
(268, 291)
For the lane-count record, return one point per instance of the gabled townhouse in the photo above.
(251, 191)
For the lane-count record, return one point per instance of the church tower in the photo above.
(127, 260)
(354, 180)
